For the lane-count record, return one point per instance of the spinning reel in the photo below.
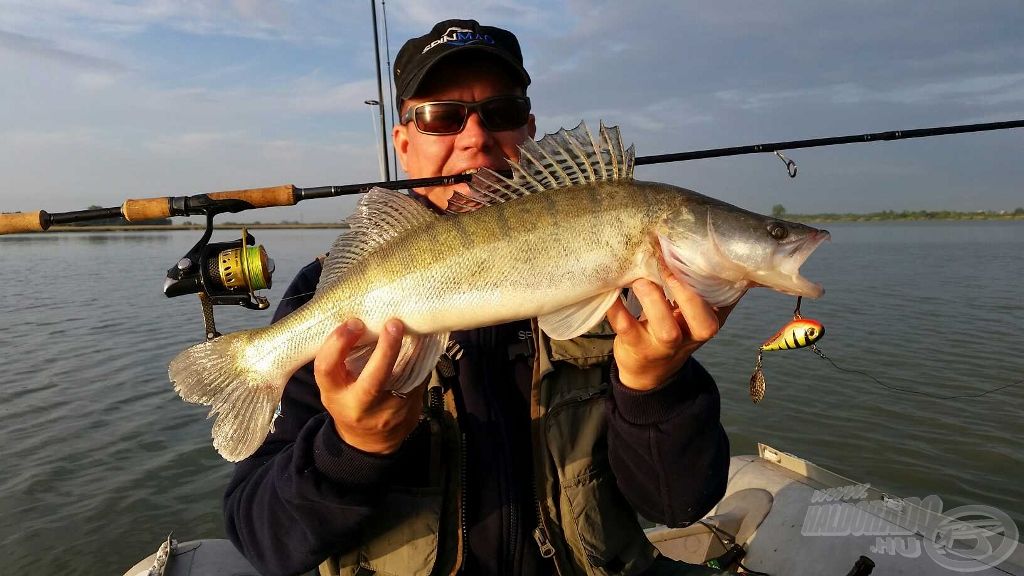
(222, 273)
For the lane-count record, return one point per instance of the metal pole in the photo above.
(380, 93)
(391, 78)
(380, 153)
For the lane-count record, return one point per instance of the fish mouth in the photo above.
(785, 275)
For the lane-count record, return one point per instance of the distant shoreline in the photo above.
(905, 216)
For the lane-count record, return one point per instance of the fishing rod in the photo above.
(231, 272)
(289, 195)
(772, 147)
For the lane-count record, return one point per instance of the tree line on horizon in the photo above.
(779, 211)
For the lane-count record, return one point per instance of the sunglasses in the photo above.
(497, 114)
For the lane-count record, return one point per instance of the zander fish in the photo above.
(556, 241)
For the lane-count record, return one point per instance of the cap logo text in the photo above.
(459, 37)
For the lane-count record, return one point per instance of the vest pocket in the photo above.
(608, 529)
(599, 525)
(405, 540)
(415, 531)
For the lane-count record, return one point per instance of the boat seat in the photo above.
(736, 517)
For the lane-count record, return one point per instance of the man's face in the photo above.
(423, 155)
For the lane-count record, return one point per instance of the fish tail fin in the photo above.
(242, 392)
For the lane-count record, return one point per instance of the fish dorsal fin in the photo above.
(380, 216)
(558, 160)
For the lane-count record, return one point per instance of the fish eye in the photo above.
(811, 332)
(778, 230)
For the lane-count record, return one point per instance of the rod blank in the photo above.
(288, 195)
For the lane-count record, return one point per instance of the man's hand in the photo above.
(650, 350)
(366, 414)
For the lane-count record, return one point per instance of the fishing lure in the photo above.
(799, 332)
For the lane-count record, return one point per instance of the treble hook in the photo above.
(790, 165)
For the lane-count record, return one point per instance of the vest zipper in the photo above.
(540, 534)
(462, 496)
(513, 535)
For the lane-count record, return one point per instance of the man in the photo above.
(527, 456)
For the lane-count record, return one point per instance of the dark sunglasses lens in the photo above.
(505, 113)
(441, 117)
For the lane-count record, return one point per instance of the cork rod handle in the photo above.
(260, 197)
(23, 222)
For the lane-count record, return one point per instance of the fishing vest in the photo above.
(585, 524)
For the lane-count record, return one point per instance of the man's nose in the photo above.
(475, 134)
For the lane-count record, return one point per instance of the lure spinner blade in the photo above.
(757, 382)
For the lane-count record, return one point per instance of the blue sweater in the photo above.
(305, 492)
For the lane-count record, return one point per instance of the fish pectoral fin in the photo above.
(633, 304)
(717, 292)
(416, 358)
(358, 357)
(571, 321)
(706, 280)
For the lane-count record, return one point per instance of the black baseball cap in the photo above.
(419, 55)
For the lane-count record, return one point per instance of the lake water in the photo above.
(101, 459)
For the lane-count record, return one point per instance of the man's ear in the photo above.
(400, 140)
(531, 127)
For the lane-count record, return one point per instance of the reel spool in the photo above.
(247, 267)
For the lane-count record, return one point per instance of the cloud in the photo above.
(171, 96)
(423, 14)
(976, 90)
(42, 49)
(664, 116)
(314, 96)
(980, 90)
(299, 22)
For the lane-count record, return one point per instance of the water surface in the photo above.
(101, 459)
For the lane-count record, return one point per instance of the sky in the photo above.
(106, 100)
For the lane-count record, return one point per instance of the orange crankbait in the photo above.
(799, 332)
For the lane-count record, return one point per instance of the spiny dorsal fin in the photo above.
(558, 160)
(380, 216)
